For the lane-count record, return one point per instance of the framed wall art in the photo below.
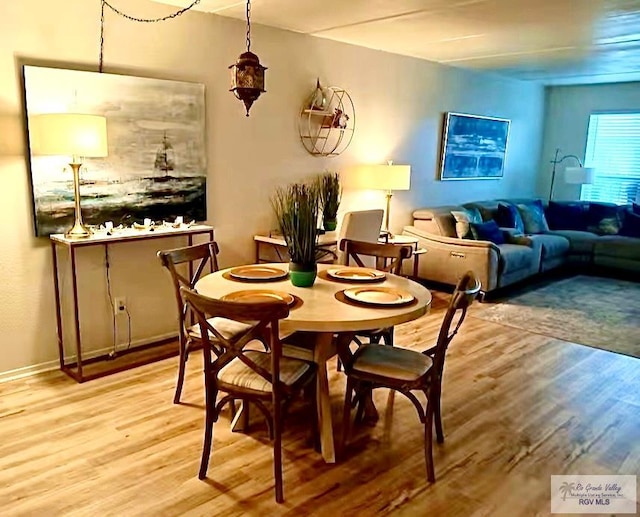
(473, 147)
(156, 164)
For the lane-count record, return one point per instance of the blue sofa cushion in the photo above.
(603, 219)
(631, 225)
(489, 231)
(507, 216)
(635, 208)
(533, 217)
(566, 216)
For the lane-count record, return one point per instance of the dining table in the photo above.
(330, 312)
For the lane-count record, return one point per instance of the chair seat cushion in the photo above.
(394, 362)
(228, 328)
(514, 257)
(620, 247)
(579, 242)
(552, 245)
(238, 374)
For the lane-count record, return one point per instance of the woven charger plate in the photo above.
(257, 273)
(341, 297)
(261, 296)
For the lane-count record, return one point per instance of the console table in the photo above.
(75, 368)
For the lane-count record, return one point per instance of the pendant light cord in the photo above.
(104, 3)
(248, 25)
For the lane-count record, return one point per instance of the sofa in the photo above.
(576, 234)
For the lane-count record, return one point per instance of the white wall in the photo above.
(567, 112)
(399, 103)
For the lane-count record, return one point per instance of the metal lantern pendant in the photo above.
(247, 74)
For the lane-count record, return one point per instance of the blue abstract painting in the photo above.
(474, 147)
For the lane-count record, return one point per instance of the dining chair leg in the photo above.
(388, 336)
(181, 370)
(428, 442)
(277, 450)
(208, 442)
(438, 415)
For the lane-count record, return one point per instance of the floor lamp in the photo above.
(574, 175)
(74, 135)
(387, 177)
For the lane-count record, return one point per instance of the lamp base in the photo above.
(79, 231)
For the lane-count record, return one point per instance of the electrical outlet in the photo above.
(119, 305)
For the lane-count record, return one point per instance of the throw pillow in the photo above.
(463, 218)
(489, 231)
(635, 208)
(566, 216)
(631, 225)
(533, 217)
(603, 219)
(508, 216)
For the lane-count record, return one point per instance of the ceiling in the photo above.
(551, 41)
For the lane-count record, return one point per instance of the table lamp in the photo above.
(387, 177)
(74, 135)
(573, 175)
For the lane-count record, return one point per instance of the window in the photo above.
(613, 149)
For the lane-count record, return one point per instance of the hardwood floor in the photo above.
(517, 408)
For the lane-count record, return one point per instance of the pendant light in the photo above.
(247, 74)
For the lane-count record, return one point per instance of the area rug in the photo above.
(598, 312)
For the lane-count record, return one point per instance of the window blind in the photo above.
(613, 149)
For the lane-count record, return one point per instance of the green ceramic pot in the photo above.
(302, 275)
(329, 224)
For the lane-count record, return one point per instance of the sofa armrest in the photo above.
(447, 259)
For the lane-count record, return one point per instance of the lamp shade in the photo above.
(68, 134)
(379, 177)
(579, 175)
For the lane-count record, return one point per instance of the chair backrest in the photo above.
(388, 257)
(262, 321)
(361, 226)
(465, 292)
(197, 257)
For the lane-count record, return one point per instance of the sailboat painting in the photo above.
(156, 167)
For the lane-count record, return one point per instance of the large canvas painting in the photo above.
(474, 147)
(156, 167)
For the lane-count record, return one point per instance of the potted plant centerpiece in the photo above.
(330, 195)
(297, 208)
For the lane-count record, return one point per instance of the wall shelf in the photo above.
(327, 132)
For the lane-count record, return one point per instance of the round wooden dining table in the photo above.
(323, 311)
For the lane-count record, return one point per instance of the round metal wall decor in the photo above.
(327, 121)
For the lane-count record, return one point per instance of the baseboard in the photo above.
(28, 371)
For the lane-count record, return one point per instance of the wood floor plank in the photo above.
(517, 408)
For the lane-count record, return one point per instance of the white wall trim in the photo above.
(27, 371)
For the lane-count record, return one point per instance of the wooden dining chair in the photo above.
(387, 258)
(186, 265)
(360, 225)
(258, 377)
(406, 371)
